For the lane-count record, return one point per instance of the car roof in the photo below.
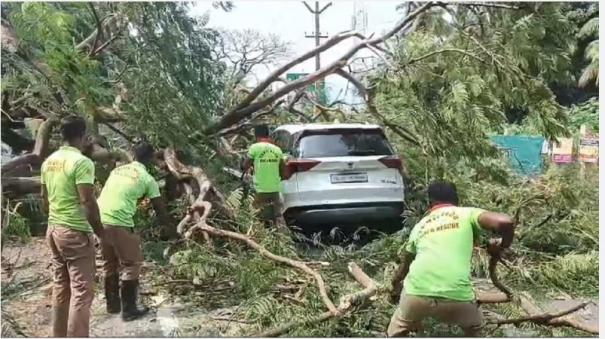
(295, 128)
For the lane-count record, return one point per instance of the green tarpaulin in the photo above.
(524, 152)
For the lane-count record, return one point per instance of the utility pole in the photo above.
(317, 36)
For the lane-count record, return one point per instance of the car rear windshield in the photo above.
(338, 143)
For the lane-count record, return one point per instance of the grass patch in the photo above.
(16, 227)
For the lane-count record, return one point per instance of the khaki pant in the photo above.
(413, 309)
(122, 254)
(270, 206)
(73, 266)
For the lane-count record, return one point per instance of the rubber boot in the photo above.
(130, 309)
(112, 293)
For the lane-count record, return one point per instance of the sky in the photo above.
(291, 21)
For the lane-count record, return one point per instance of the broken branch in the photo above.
(530, 308)
(540, 319)
(264, 252)
(248, 106)
(346, 303)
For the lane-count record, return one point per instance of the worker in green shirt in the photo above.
(436, 267)
(73, 215)
(266, 160)
(121, 248)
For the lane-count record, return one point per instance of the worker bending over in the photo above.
(437, 264)
(267, 162)
(73, 215)
(121, 247)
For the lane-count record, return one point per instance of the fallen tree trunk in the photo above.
(20, 185)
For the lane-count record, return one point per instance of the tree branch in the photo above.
(560, 319)
(99, 28)
(368, 97)
(43, 137)
(202, 226)
(35, 158)
(346, 303)
(248, 124)
(445, 50)
(93, 36)
(118, 131)
(278, 72)
(294, 110)
(487, 4)
(247, 107)
(105, 44)
(540, 319)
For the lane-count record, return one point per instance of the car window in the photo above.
(336, 143)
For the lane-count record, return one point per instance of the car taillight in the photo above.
(300, 165)
(392, 162)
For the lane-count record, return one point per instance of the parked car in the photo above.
(339, 174)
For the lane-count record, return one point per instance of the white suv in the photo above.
(339, 174)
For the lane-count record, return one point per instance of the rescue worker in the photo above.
(437, 264)
(121, 247)
(267, 162)
(73, 215)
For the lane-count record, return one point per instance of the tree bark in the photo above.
(20, 185)
(40, 151)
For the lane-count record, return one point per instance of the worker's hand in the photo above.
(494, 249)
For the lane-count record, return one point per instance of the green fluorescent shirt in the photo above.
(266, 158)
(443, 244)
(122, 191)
(62, 171)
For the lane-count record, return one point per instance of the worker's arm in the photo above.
(167, 225)
(282, 168)
(500, 224)
(249, 158)
(91, 209)
(400, 274)
(160, 210)
(84, 174)
(44, 193)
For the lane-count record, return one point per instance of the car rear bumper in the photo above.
(357, 214)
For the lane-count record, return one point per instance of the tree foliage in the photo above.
(155, 71)
(458, 78)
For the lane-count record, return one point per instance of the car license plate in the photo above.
(348, 178)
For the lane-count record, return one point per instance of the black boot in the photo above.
(130, 309)
(112, 293)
